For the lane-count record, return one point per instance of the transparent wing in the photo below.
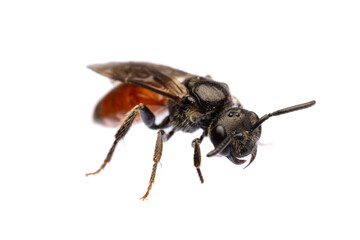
(157, 78)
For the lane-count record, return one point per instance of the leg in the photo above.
(167, 136)
(148, 118)
(156, 158)
(197, 155)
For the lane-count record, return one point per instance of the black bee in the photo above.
(192, 102)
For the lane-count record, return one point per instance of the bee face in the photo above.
(233, 126)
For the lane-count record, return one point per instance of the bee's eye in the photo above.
(218, 134)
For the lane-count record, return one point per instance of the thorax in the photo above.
(205, 100)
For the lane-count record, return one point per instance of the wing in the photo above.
(114, 106)
(157, 78)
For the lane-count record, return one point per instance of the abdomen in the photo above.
(114, 106)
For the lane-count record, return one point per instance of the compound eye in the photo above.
(217, 135)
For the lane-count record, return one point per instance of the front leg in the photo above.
(197, 155)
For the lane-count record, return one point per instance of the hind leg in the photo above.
(149, 120)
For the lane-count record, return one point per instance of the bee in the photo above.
(189, 103)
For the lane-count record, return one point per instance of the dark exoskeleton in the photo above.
(194, 103)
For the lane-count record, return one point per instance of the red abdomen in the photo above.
(113, 107)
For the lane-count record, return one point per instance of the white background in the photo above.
(273, 54)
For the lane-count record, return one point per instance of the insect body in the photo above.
(192, 102)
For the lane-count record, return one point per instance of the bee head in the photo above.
(235, 131)
(232, 135)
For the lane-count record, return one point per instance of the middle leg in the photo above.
(157, 156)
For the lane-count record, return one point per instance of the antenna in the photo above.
(282, 111)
